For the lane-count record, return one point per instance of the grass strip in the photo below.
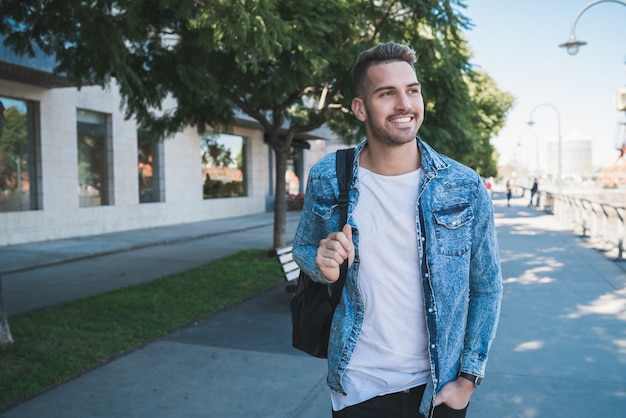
(55, 344)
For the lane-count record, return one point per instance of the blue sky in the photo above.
(516, 42)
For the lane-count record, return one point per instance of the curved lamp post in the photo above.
(558, 126)
(573, 45)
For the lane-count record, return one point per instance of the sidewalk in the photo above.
(48, 273)
(560, 349)
(42, 254)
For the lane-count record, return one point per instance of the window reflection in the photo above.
(148, 168)
(223, 166)
(92, 158)
(18, 161)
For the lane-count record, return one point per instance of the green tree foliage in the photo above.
(491, 105)
(284, 63)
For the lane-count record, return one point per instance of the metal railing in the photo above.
(602, 223)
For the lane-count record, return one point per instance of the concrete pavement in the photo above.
(47, 273)
(560, 349)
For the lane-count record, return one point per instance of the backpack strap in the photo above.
(344, 160)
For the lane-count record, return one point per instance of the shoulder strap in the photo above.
(344, 160)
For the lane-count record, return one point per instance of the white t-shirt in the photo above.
(391, 353)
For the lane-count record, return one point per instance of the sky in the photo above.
(516, 42)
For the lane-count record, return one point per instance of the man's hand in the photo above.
(455, 394)
(333, 250)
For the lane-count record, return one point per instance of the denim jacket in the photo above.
(458, 253)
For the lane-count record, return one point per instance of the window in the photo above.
(94, 159)
(19, 156)
(149, 168)
(223, 166)
(292, 179)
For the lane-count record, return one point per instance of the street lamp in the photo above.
(558, 125)
(573, 45)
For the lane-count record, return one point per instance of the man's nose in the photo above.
(403, 101)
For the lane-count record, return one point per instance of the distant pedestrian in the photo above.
(509, 191)
(533, 192)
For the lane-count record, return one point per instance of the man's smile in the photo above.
(402, 119)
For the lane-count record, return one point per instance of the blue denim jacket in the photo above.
(459, 258)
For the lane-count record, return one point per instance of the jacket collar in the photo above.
(432, 162)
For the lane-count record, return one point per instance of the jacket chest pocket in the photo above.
(325, 210)
(453, 229)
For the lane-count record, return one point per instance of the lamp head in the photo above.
(573, 45)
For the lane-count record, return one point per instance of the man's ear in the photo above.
(358, 109)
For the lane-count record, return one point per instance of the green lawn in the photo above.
(55, 344)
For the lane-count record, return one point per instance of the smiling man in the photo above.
(420, 307)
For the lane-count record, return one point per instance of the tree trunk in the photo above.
(280, 202)
(5, 332)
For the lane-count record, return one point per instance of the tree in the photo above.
(284, 63)
(5, 332)
(492, 105)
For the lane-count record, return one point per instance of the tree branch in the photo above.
(289, 100)
(382, 20)
(319, 120)
(252, 111)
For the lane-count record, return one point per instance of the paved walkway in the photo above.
(560, 349)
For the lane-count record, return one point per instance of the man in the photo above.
(509, 191)
(421, 302)
(533, 191)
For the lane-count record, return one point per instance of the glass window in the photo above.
(149, 168)
(19, 161)
(94, 183)
(295, 195)
(223, 166)
(292, 179)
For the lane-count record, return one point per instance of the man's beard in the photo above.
(383, 135)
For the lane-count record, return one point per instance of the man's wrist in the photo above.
(476, 380)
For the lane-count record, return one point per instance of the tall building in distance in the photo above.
(576, 160)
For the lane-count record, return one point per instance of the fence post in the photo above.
(620, 233)
(580, 205)
(604, 234)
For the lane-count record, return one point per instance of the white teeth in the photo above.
(401, 120)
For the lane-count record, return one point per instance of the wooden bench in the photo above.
(291, 270)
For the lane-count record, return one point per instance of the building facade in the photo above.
(71, 165)
(576, 160)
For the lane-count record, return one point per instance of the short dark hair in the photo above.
(385, 52)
